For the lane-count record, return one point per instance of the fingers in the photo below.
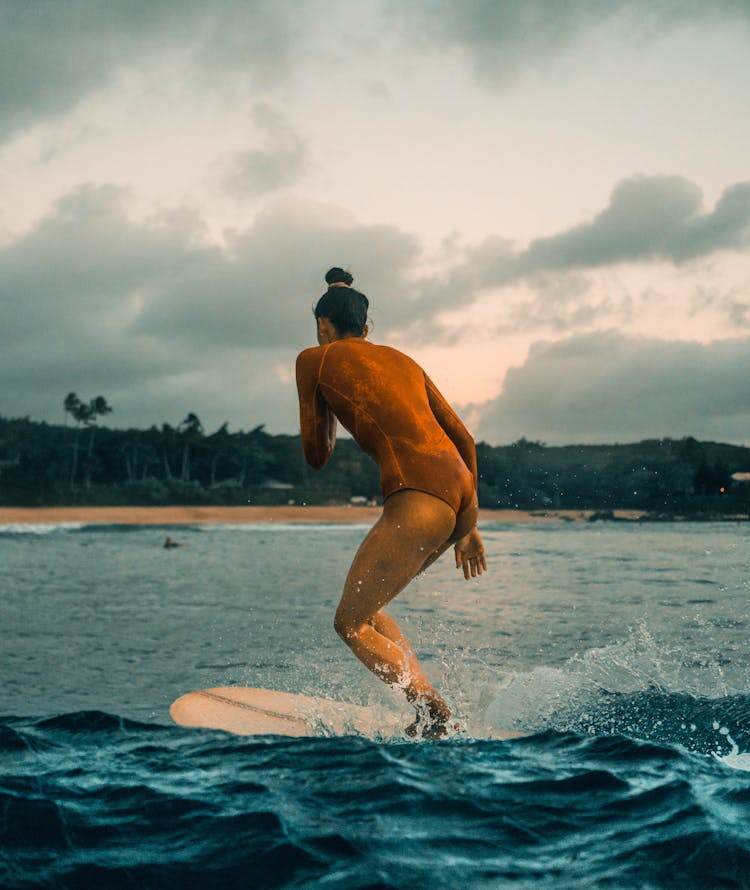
(473, 565)
(470, 557)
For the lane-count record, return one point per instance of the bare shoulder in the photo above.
(309, 357)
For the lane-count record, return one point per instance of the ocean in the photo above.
(622, 649)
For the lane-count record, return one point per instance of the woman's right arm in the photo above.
(317, 421)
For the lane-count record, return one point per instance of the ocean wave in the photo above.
(91, 799)
(38, 528)
(287, 526)
(51, 528)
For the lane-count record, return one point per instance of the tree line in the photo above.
(88, 463)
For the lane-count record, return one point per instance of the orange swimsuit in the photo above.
(394, 412)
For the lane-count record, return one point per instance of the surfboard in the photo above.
(244, 710)
(249, 711)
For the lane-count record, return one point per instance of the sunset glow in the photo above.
(551, 212)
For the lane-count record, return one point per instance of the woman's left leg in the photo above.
(387, 626)
(413, 526)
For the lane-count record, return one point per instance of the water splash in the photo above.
(636, 687)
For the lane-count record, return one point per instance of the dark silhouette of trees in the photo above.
(42, 464)
(713, 479)
(85, 414)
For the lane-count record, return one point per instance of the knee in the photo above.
(345, 626)
(342, 626)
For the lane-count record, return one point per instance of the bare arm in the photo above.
(469, 550)
(317, 421)
(454, 429)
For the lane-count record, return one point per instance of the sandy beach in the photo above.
(192, 515)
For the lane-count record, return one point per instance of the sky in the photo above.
(548, 206)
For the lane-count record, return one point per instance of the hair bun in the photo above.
(339, 276)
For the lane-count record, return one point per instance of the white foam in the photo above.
(286, 526)
(539, 696)
(38, 528)
(735, 761)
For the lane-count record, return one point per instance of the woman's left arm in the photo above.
(317, 421)
(453, 427)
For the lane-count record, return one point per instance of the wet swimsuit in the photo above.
(394, 412)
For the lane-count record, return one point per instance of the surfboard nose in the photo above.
(180, 711)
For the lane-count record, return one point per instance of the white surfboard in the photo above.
(244, 710)
(247, 711)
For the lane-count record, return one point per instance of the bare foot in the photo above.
(432, 720)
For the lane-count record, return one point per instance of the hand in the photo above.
(470, 554)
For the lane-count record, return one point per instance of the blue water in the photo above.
(622, 649)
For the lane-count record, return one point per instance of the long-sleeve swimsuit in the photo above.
(394, 412)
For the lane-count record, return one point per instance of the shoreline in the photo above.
(181, 515)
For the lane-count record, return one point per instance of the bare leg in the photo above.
(433, 715)
(388, 627)
(413, 523)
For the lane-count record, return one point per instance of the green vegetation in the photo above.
(43, 464)
(661, 476)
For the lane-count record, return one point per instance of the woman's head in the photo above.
(341, 307)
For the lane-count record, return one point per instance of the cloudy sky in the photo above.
(547, 204)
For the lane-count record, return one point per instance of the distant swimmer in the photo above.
(169, 544)
(428, 477)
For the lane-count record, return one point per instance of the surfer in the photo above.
(428, 476)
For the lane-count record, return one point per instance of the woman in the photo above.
(428, 475)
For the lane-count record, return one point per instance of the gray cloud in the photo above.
(53, 54)
(739, 312)
(648, 219)
(281, 161)
(606, 387)
(505, 37)
(257, 291)
(162, 321)
(566, 301)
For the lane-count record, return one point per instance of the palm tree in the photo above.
(79, 411)
(191, 430)
(86, 414)
(97, 407)
(218, 443)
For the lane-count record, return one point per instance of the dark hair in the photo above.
(345, 307)
(339, 276)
